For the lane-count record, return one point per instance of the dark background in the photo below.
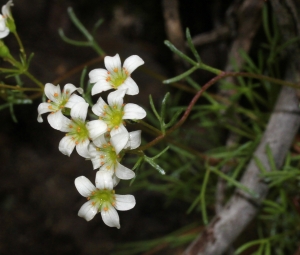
(38, 199)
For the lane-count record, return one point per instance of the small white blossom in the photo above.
(116, 77)
(77, 131)
(103, 199)
(105, 153)
(116, 112)
(57, 101)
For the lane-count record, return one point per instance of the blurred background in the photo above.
(38, 199)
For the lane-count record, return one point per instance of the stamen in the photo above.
(49, 101)
(76, 142)
(105, 209)
(115, 70)
(50, 107)
(93, 203)
(70, 126)
(55, 94)
(108, 78)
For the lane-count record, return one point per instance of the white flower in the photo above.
(57, 101)
(6, 13)
(105, 153)
(114, 113)
(116, 77)
(103, 199)
(77, 131)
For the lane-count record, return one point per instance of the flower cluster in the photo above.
(105, 140)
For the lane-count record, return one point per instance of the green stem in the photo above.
(154, 129)
(210, 69)
(22, 50)
(18, 88)
(234, 182)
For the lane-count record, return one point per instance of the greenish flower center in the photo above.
(113, 116)
(61, 101)
(103, 198)
(108, 156)
(117, 77)
(78, 131)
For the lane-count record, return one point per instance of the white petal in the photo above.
(124, 202)
(118, 130)
(70, 88)
(43, 108)
(104, 180)
(4, 32)
(96, 128)
(66, 123)
(99, 141)
(6, 8)
(79, 111)
(55, 119)
(112, 63)
(116, 97)
(133, 111)
(84, 186)
(133, 62)
(66, 145)
(111, 217)
(131, 86)
(119, 141)
(88, 211)
(82, 148)
(123, 172)
(116, 180)
(74, 99)
(134, 140)
(51, 90)
(99, 108)
(100, 86)
(95, 156)
(98, 74)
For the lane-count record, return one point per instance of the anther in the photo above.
(55, 94)
(115, 70)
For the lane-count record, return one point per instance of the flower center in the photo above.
(113, 116)
(108, 156)
(117, 78)
(78, 131)
(61, 101)
(103, 198)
